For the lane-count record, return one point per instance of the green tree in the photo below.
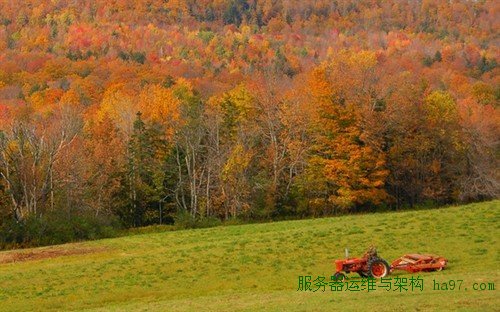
(145, 173)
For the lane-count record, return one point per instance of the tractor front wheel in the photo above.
(341, 277)
(363, 274)
(378, 268)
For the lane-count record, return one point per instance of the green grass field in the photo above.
(256, 267)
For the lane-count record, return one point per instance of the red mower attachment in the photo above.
(415, 263)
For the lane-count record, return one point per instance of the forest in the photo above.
(128, 113)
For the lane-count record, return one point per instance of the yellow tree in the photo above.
(352, 172)
(105, 157)
(160, 105)
(446, 151)
(230, 130)
(120, 105)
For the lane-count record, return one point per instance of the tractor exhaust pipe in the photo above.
(347, 253)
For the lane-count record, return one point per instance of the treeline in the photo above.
(235, 118)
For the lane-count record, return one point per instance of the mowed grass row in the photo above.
(256, 267)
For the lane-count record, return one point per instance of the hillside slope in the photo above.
(256, 267)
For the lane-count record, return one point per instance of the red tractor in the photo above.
(370, 265)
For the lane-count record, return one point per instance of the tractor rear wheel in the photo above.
(378, 268)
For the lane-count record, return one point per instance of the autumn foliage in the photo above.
(146, 110)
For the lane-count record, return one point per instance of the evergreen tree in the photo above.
(145, 173)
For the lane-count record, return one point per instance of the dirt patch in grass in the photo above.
(46, 253)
